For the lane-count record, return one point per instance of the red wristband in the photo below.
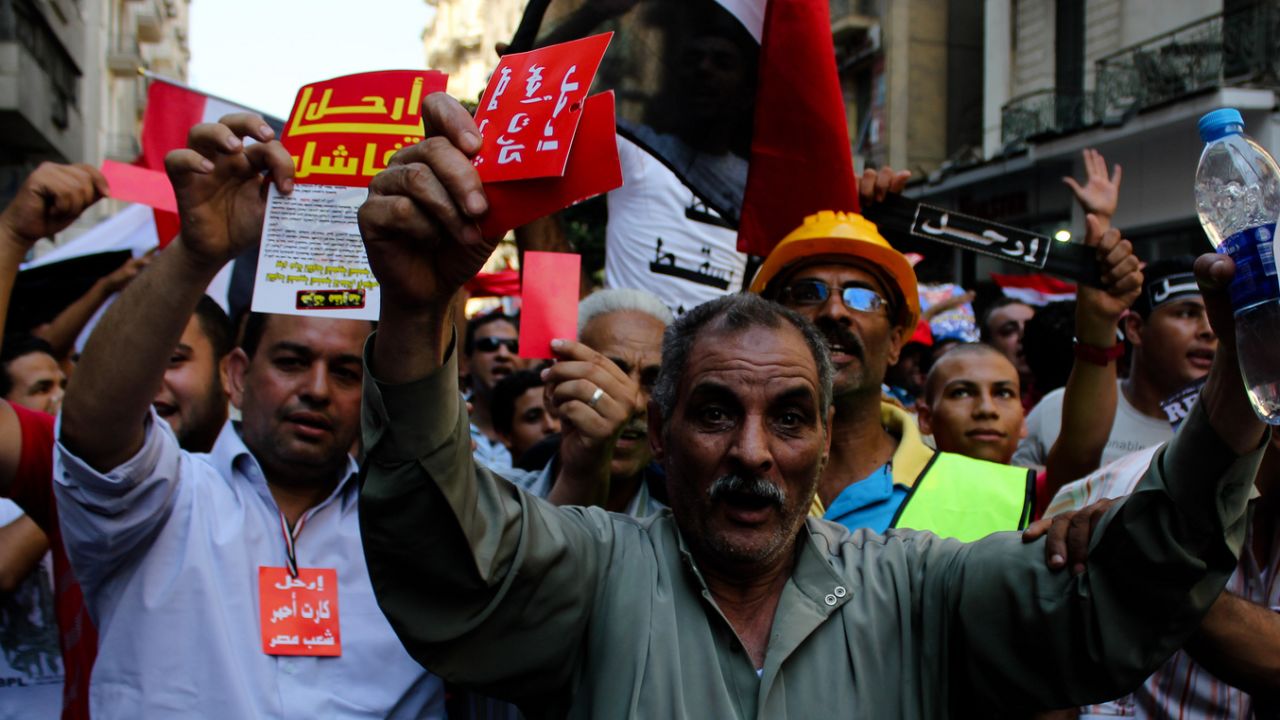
(1099, 356)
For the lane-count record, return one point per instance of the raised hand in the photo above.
(221, 187)
(594, 400)
(876, 184)
(50, 199)
(419, 223)
(572, 384)
(120, 278)
(1100, 193)
(1223, 396)
(1099, 309)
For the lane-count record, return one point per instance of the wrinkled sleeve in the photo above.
(485, 585)
(1022, 637)
(110, 519)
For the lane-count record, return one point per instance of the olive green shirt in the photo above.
(577, 612)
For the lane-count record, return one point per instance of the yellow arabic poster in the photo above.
(340, 134)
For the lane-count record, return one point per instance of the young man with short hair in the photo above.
(972, 404)
(519, 415)
(30, 375)
(192, 399)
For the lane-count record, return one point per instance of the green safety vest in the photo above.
(965, 498)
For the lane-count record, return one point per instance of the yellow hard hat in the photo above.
(838, 234)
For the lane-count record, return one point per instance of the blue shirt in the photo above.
(871, 503)
(167, 548)
(490, 452)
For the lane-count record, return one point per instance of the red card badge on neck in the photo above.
(548, 301)
(299, 615)
(529, 113)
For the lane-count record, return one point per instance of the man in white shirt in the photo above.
(231, 584)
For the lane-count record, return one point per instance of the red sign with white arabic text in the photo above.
(593, 169)
(344, 131)
(299, 615)
(529, 113)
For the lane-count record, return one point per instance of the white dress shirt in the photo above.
(167, 547)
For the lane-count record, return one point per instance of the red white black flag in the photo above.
(738, 98)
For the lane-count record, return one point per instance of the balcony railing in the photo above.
(841, 10)
(1043, 112)
(1236, 47)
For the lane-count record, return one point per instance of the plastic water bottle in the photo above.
(1238, 200)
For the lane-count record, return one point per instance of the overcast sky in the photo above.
(259, 52)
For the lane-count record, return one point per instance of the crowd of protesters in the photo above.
(821, 495)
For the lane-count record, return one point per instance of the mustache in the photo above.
(753, 486)
(836, 334)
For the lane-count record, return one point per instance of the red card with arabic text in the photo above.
(299, 615)
(530, 111)
(593, 169)
(548, 301)
(344, 131)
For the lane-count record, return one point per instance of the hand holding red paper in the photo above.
(50, 199)
(134, 184)
(419, 222)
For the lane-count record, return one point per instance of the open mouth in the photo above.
(747, 501)
(747, 508)
(1202, 359)
(165, 410)
(632, 436)
(843, 344)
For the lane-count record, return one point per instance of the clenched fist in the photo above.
(50, 199)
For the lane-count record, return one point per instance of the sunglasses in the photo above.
(491, 344)
(816, 292)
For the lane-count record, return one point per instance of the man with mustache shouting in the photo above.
(735, 603)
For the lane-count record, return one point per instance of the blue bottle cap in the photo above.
(1214, 125)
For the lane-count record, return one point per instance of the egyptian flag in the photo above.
(172, 110)
(738, 98)
(1035, 289)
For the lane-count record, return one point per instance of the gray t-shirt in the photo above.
(1130, 432)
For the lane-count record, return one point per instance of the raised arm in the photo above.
(50, 199)
(1100, 194)
(588, 429)
(221, 200)
(485, 585)
(63, 330)
(1157, 562)
(1090, 398)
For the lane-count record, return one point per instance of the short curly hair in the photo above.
(735, 313)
